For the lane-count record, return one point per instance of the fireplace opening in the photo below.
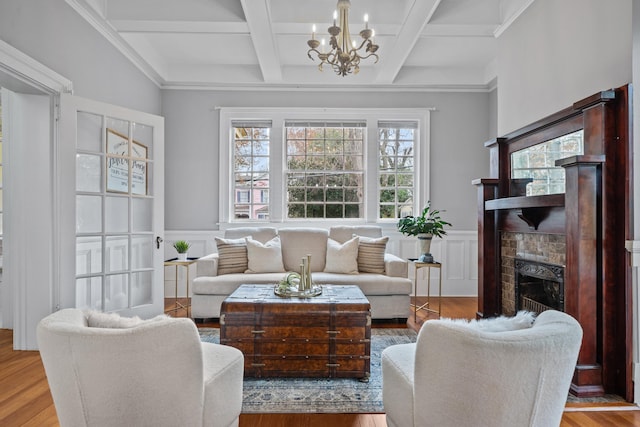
(538, 286)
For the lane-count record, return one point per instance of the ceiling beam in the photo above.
(259, 21)
(393, 58)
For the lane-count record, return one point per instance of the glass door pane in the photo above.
(114, 199)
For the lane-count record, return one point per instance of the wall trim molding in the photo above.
(32, 72)
(633, 247)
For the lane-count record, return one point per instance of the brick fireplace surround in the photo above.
(547, 248)
(584, 230)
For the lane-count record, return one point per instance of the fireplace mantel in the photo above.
(531, 209)
(592, 216)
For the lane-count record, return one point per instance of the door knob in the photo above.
(158, 241)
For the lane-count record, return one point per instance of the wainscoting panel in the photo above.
(202, 243)
(457, 251)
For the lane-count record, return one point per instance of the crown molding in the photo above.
(506, 24)
(481, 88)
(112, 36)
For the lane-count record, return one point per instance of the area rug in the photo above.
(335, 395)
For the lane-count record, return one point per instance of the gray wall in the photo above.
(52, 33)
(459, 127)
(559, 52)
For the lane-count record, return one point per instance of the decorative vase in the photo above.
(182, 256)
(425, 247)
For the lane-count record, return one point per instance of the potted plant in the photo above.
(427, 225)
(181, 246)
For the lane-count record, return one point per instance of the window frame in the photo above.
(277, 159)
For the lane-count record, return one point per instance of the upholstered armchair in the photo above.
(156, 373)
(461, 375)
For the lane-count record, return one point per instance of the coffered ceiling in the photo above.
(237, 44)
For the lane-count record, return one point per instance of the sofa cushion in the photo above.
(369, 283)
(232, 255)
(225, 285)
(342, 233)
(261, 234)
(342, 258)
(371, 254)
(264, 257)
(299, 242)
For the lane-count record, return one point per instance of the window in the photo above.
(535, 165)
(243, 196)
(251, 169)
(322, 164)
(396, 170)
(324, 170)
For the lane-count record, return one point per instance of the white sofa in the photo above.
(388, 292)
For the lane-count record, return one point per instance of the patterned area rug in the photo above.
(318, 395)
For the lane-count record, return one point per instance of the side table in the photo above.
(174, 262)
(417, 265)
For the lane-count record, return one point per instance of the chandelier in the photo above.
(345, 55)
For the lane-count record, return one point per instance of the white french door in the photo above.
(111, 182)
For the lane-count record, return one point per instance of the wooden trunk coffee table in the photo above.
(324, 336)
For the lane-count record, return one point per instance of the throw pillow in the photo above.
(371, 254)
(98, 319)
(232, 255)
(264, 258)
(342, 258)
(522, 320)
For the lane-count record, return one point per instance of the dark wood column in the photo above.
(488, 249)
(584, 264)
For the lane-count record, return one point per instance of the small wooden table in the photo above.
(324, 336)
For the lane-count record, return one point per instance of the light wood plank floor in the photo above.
(25, 399)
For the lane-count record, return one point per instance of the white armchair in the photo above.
(157, 373)
(458, 375)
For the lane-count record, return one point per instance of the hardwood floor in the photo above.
(25, 399)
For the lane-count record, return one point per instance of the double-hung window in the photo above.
(309, 164)
(251, 140)
(325, 169)
(396, 161)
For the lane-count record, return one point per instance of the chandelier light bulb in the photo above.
(366, 21)
(335, 16)
(313, 32)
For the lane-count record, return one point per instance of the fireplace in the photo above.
(593, 219)
(538, 286)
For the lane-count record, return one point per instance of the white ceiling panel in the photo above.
(197, 49)
(239, 44)
(449, 52)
